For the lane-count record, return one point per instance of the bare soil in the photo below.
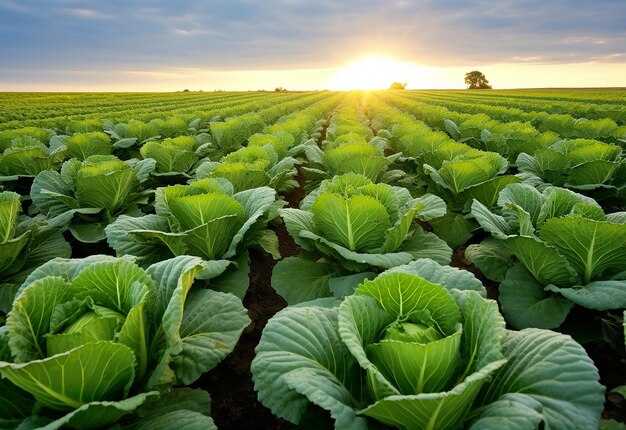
(234, 401)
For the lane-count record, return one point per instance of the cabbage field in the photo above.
(349, 260)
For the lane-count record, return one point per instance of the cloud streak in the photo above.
(225, 35)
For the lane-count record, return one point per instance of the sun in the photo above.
(377, 73)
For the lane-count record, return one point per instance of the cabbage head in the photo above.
(84, 145)
(206, 219)
(251, 167)
(281, 141)
(458, 180)
(419, 347)
(28, 151)
(176, 158)
(351, 153)
(551, 250)
(579, 164)
(127, 136)
(91, 340)
(86, 196)
(350, 225)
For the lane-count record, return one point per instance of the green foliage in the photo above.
(25, 243)
(206, 219)
(170, 127)
(97, 338)
(230, 134)
(472, 175)
(281, 141)
(476, 80)
(86, 196)
(410, 349)
(397, 86)
(7, 137)
(111, 342)
(360, 226)
(252, 167)
(84, 145)
(358, 157)
(579, 164)
(568, 251)
(175, 156)
(28, 151)
(350, 147)
(135, 130)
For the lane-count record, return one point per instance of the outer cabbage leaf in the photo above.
(211, 325)
(25, 242)
(145, 237)
(525, 302)
(312, 280)
(491, 257)
(197, 337)
(56, 382)
(301, 359)
(444, 275)
(546, 264)
(454, 228)
(593, 248)
(599, 295)
(184, 419)
(100, 413)
(550, 376)
(15, 404)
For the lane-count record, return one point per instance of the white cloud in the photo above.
(86, 13)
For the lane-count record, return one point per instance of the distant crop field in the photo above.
(413, 259)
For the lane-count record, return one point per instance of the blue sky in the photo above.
(83, 43)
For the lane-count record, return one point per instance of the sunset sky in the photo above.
(67, 45)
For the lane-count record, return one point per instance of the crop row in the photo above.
(573, 108)
(384, 194)
(488, 116)
(189, 107)
(594, 96)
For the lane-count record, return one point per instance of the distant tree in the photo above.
(280, 90)
(397, 86)
(185, 90)
(475, 80)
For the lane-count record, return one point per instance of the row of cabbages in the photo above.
(418, 346)
(554, 249)
(379, 331)
(101, 341)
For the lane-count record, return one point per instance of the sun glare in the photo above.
(377, 73)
